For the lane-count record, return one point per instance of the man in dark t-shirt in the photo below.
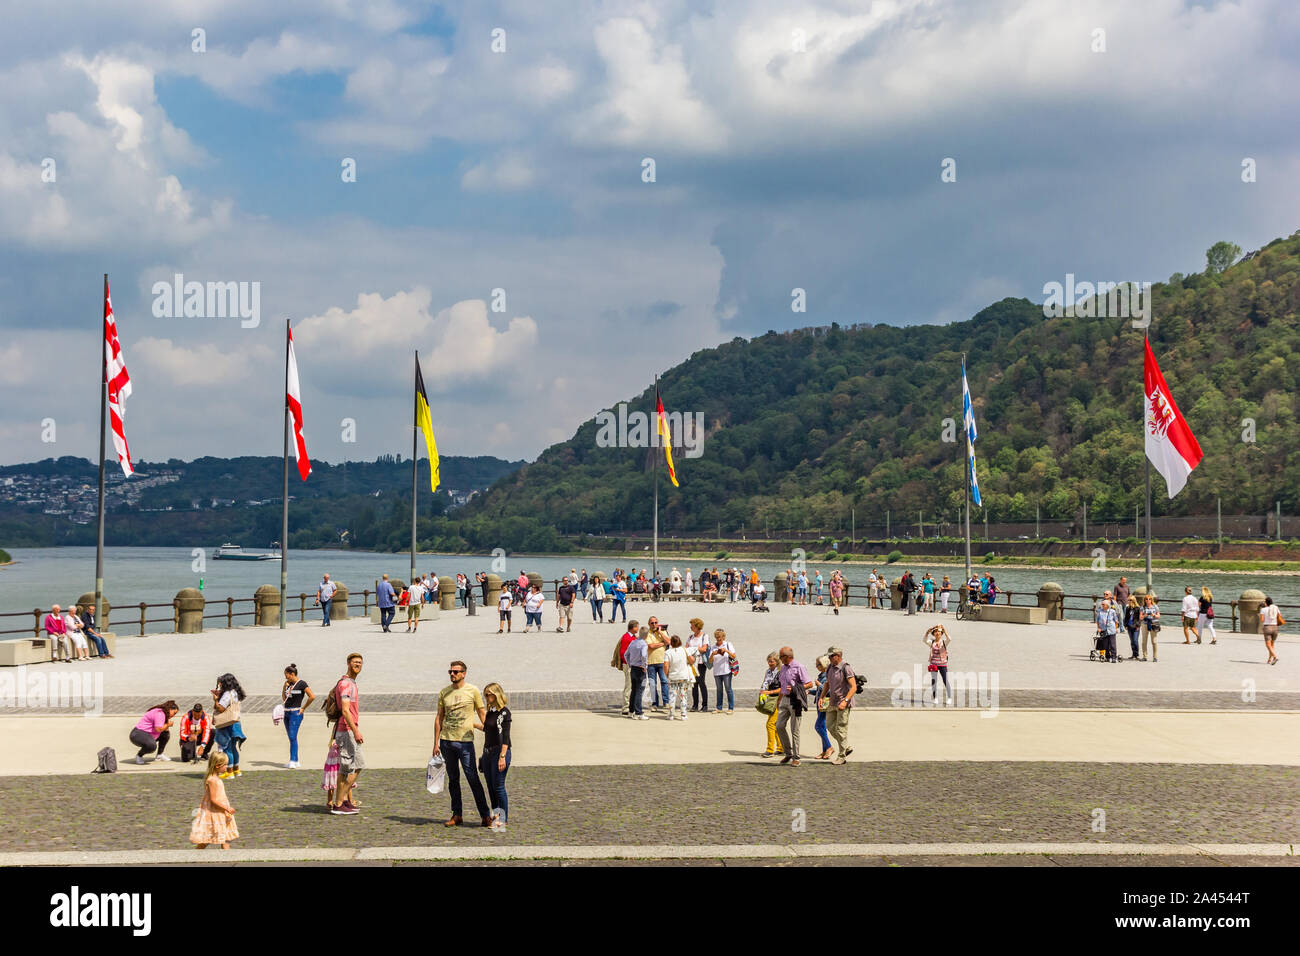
(564, 598)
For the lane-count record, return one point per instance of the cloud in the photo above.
(506, 172)
(460, 343)
(202, 365)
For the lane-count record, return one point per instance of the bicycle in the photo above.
(967, 611)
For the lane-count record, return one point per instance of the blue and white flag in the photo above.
(968, 422)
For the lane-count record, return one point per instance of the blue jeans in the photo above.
(292, 721)
(386, 616)
(821, 730)
(598, 610)
(225, 737)
(723, 683)
(638, 687)
(325, 612)
(658, 677)
(496, 781)
(101, 646)
(620, 604)
(459, 754)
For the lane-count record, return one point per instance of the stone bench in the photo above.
(30, 650)
(428, 612)
(1012, 614)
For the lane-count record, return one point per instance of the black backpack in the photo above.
(106, 761)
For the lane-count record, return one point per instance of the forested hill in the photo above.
(801, 426)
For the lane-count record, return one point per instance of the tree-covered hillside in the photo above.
(803, 425)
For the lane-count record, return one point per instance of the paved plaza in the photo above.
(1193, 759)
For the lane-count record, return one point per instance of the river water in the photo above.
(42, 576)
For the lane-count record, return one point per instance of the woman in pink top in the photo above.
(58, 631)
(937, 639)
(152, 731)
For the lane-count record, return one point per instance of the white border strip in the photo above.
(647, 852)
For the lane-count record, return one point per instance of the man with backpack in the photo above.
(342, 708)
(841, 687)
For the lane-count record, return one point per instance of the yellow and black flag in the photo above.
(666, 436)
(424, 422)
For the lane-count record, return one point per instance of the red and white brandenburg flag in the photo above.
(294, 399)
(1171, 446)
(119, 384)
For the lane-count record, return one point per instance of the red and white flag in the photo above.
(293, 399)
(1171, 446)
(119, 384)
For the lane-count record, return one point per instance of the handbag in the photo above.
(766, 704)
(277, 714)
(228, 716)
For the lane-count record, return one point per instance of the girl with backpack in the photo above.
(937, 639)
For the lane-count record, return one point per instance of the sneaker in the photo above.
(642, 717)
(683, 716)
(949, 701)
(289, 765)
(794, 763)
(164, 758)
(786, 759)
(139, 760)
(225, 776)
(839, 761)
(730, 712)
(237, 773)
(344, 809)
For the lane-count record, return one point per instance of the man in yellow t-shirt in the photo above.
(459, 703)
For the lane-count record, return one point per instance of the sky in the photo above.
(554, 202)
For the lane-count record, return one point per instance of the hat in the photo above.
(832, 651)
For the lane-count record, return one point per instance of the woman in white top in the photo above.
(678, 662)
(698, 645)
(533, 609)
(722, 655)
(75, 633)
(1270, 618)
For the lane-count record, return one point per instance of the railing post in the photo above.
(143, 615)
(302, 608)
(1234, 616)
(36, 613)
(365, 602)
(230, 612)
(176, 615)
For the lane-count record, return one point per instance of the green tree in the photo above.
(1221, 255)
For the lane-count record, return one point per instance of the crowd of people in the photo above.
(462, 709)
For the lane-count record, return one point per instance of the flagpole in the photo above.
(103, 414)
(655, 457)
(284, 506)
(1147, 459)
(966, 453)
(415, 488)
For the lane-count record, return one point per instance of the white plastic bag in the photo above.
(277, 714)
(435, 774)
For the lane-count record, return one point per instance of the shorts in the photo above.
(412, 612)
(532, 617)
(566, 613)
(351, 759)
(1270, 631)
(505, 616)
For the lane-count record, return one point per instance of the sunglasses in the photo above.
(455, 671)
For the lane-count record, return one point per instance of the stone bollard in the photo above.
(190, 604)
(493, 590)
(1052, 596)
(781, 587)
(1248, 606)
(447, 592)
(88, 600)
(535, 578)
(339, 602)
(266, 606)
(896, 593)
